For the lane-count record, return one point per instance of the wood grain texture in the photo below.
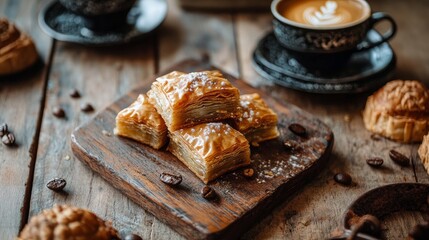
(100, 75)
(319, 208)
(23, 92)
(134, 169)
(229, 39)
(192, 34)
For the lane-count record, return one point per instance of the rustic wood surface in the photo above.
(227, 38)
(242, 201)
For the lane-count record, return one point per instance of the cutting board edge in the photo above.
(230, 232)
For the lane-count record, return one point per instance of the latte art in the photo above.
(322, 13)
(326, 15)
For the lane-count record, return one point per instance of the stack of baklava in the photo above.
(209, 124)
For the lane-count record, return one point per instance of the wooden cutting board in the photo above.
(134, 169)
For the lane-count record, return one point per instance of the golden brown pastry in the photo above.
(210, 149)
(256, 120)
(424, 152)
(64, 222)
(141, 122)
(185, 100)
(17, 50)
(399, 111)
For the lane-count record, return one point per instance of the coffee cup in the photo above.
(317, 30)
(101, 15)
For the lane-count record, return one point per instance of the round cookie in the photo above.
(65, 222)
(17, 50)
(399, 111)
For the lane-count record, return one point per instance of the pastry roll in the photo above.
(256, 120)
(185, 100)
(141, 122)
(210, 149)
(399, 111)
(17, 50)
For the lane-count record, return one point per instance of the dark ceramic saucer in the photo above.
(364, 71)
(64, 25)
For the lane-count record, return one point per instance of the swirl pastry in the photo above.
(17, 50)
(256, 120)
(141, 122)
(185, 100)
(399, 111)
(424, 152)
(210, 149)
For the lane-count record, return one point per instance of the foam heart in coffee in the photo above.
(322, 13)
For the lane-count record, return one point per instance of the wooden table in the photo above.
(104, 74)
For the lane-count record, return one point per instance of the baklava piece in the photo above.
(210, 149)
(256, 120)
(399, 111)
(185, 100)
(141, 122)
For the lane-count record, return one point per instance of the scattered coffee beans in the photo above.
(8, 139)
(399, 158)
(132, 237)
(170, 179)
(58, 112)
(298, 129)
(248, 172)
(86, 107)
(74, 93)
(208, 192)
(3, 129)
(56, 184)
(375, 162)
(343, 178)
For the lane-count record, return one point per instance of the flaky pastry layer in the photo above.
(141, 122)
(210, 149)
(185, 100)
(256, 120)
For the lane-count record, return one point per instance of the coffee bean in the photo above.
(86, 107)
(8, 139)
(74, 93)
(56, 184)
(170, 179)
(3, 129)
(208, 192)
(343, 178)
(420, 231)
(399, 158)
(298, 129)
(248, 172)
(375, 162)
(132, 237)
(58, 112)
